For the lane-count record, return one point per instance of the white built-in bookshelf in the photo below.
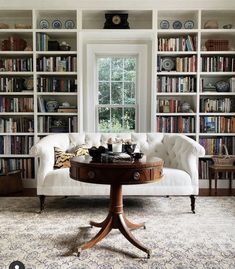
(183, 75)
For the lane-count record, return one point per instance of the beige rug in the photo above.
(178, 238)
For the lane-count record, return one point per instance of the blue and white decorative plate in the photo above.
(189, 24)
(44, 24)
(168, 64)
(177, 25)
(164, 24)
(56, 24)
(69, 24)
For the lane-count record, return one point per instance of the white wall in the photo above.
(118, 4)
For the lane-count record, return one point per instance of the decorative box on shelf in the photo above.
(217, 45)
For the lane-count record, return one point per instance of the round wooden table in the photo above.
(116, 174)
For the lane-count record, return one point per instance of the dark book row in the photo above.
(16, 125)
(56, 85)
(15, 84)
(225, 105)
(217, 124)
(15, 144)
(213, 146)
(176, 84)
(16, 64)
(57, 64)
(176, 124)
(25, 165)
(218, 64)
(16, 104)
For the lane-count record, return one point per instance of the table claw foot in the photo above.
(132, 225)
(95, 224)
(129, 236)
(100, 224)
(99, 236)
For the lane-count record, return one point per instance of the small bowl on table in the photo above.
(137, 155)
(129, 148)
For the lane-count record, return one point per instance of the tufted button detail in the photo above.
(136, 175)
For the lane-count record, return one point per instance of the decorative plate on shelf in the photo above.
(177, 25)
(189, 24)
(69, 24)
(44, 24)
(222, 86)
(164, 24)
(168, 64)
(56, 24)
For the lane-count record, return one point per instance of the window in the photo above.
(116, 90)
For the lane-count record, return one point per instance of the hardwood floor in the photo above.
(202, 192)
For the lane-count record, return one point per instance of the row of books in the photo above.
(216, 105)
(15, 65)
(16, 125)
(12, 84)
(57, 64)
(176, 84)
(179, 64)
(176, 124)
(50, 124)
(16, 104)
(42, 41)
(182, 43)
(218, 64)
(56, 84)
(232, 84)
(204, 168)
(213, 145)
(15, 144)
(217, 124)
(168, 106)
(26, 165)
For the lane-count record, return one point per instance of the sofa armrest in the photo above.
(183, 153)
(44, 149)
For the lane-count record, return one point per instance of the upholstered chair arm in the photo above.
(183, 153)
(44, 149)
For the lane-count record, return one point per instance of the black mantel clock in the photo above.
(116, 21)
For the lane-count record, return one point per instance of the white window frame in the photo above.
(91, 92)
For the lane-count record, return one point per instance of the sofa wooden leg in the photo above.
(192, 198)
(42, 202)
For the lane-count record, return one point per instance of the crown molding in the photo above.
(121, 4)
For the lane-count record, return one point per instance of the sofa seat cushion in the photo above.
(58, 182)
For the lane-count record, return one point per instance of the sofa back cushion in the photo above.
(151, 144)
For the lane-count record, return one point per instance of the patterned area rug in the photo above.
(178, 238)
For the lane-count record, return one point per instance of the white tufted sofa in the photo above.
(180, 155)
